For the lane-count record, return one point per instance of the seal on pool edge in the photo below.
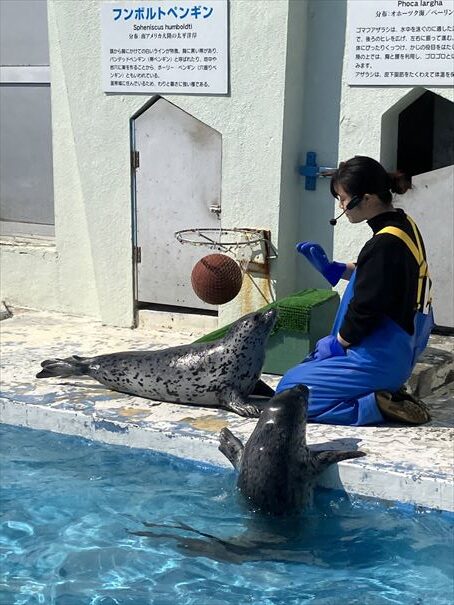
(220, 374)
(276, 468)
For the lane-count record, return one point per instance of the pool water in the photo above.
(70, 509)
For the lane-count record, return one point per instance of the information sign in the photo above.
(400, 42)
(157, 46)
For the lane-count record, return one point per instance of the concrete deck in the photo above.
(412, 465)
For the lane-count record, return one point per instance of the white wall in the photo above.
(285, 100)
(91, 147)
(319, 109)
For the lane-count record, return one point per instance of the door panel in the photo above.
(178, 179)
(429, 202)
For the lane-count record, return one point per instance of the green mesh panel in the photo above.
(294, 312)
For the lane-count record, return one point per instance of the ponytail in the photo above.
(400, 183)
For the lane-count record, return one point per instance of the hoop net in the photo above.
(242, 244)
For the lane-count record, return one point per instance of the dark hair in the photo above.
(362, 175)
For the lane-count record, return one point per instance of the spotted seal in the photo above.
(219, 374)
(276, 468)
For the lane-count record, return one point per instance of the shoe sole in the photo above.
(404, 411)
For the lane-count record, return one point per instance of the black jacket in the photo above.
(386, 281)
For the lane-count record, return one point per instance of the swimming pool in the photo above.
(70, 507)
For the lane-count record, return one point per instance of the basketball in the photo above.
(216, 279)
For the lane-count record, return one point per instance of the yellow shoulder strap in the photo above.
(406, 239)
(416, 232)
(417, 252)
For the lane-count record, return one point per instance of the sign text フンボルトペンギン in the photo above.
(160, 47)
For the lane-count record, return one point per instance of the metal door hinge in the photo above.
(137, 254)
(215, 209)
(135, 160)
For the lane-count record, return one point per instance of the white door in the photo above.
(177, 186)
(429, 202)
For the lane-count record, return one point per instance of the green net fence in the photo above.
(294, 312)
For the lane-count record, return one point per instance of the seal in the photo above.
(276, 468)
(220, 374)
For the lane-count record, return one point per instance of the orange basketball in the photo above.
(216, 279)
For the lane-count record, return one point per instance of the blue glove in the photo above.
(331, 271)
(326, 347)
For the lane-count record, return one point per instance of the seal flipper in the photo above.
(231, 447)
(325, 458)
(261, 389)
(238, 405)
(70, 366)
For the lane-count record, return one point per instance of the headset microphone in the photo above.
(333, 221)
(351, 204)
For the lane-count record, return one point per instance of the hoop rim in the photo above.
(256, 235)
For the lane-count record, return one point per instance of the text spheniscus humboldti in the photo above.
(161, 27)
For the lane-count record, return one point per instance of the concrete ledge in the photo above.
(29, 272)
(111, 432)
(382, 481)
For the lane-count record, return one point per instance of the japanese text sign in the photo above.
(401, 42)
(165, 46)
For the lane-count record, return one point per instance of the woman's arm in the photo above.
(348, 271)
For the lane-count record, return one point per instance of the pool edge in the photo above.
(360, 477)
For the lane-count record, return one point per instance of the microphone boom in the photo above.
(351, 204)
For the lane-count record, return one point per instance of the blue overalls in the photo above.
(342, 388)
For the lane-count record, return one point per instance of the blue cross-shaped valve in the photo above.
(311, 171)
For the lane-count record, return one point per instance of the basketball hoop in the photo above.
(220, 239)
(251, 248)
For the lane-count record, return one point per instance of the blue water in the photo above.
(69, 507)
